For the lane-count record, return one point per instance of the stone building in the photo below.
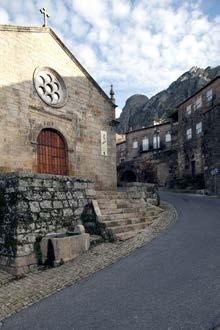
(183, 152)
(54, 117)
(199, 137)
(56, 138)
(147, 155)
(212, 148)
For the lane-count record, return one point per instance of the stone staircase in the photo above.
(123, 214)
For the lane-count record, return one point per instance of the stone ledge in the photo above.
(43, 176)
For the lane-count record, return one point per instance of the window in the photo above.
(189, 109)
(122, 160)
(135, 144)
(199, 128)
(168, 137)
(198, 103)
(189, 134)
(156, 142)
(50, 87)
(145, 143)
(209, 95)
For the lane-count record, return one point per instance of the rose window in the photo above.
(50, 87)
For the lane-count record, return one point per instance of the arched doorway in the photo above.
(128, 176)
(51, 153)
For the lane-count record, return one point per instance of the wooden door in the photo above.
(51, 153)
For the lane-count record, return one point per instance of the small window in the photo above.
(156, 142)
(189, 134)
(199, 128)
(168, 137)
(209, 95)
(198, 103)
(145, 144)
(135, 144)
(189, 109)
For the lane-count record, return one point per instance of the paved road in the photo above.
(170, 284)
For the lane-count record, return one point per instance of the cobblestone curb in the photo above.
(18, 294)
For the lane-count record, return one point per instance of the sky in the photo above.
(139, 46)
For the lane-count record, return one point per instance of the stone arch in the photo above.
(52, 152)
(128, 176)
(35, 131)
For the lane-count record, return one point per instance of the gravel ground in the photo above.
(18, 294)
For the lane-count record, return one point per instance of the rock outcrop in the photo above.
(140, 111)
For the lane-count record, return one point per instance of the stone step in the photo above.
(123, 203)
(123, 222)
(111, 211)
(127, 235)
(95, 240)
(109, 217)
(110, 195)
(129, 216)
(114, 200)
(120, 197)
(107, 211)
(108, 205)
(127, 228)
(125, 213)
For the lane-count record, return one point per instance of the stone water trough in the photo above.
(57, 248)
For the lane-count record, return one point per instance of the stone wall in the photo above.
(33, 205)
(212, 149)
(193, 161)
(159, 168)
(149, 192)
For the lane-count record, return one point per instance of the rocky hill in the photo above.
(140, 111)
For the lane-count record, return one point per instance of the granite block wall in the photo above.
(33, 205)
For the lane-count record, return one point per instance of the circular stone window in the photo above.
(50, 87)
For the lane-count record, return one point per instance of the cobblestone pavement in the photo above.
(5, 278)
(18, 294)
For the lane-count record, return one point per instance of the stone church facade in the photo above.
(54, 117)
(57, 141)
(183, 152)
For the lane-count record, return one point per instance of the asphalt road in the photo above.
(172, 283)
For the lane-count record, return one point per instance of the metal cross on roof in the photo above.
(44, 12)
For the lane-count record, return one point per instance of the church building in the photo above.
(54, 117)
(57, 142)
